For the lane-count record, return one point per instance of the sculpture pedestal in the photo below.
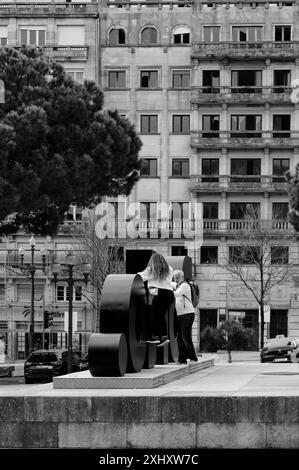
(146, 378)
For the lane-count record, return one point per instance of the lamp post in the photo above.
(56, 269)
(32, 267)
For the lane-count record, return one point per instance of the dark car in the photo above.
(43, 365)
(279, 349)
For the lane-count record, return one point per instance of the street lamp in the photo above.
(32, 267)
(85, 269)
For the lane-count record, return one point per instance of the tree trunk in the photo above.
(229, 355)
(262, 325)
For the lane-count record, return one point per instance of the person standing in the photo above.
(158, 275)
(185, 318)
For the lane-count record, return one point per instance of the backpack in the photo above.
(194, 293)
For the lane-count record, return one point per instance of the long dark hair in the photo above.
(158, 266)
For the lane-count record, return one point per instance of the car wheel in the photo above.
(28, 381)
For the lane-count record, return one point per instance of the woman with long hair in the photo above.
(158, 275)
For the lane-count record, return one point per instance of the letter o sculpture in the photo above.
(122, 311)
(107, 354)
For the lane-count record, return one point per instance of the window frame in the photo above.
(149, 159)
(149, 117)
(181, 162)
(116, 71)
(180, 118)
(149, 71)
(180, 72)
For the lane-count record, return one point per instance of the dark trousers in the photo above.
(160, 306)
(186, 348)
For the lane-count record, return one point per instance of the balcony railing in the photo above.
(72, 226)
(67, 52)
(255, 138)
(238, 183)
(241, 94)
(49, 9)
(170, 4)
(214, 226)
(279, 50)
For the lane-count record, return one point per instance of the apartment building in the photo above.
(69, 34)
(208, 85)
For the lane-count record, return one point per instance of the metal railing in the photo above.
(231, 183)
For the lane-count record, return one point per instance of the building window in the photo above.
(62, 293)
(181, 124)
(246, 126)
(210, 210)
(281, 81)
(2, 292)
(244, 254)
(71, 35)
(280, 210)
(245, 81)
(280, 166)
(117, 36)
(281, 125)
(74, 213)
(33, 37)
(148, 211)
(117, 79)
(247, 33)
(180, 211)
(279, 254)
(179, 250)
(211, 81)
(210, 170)
(181, 79)
(149, 124)
(181, 35)
(149, 167)
(149, 36)
(76, 75)
(3, 35)
(211, 34)
(180, 167)
(282, 33)
(209, 254)
(210, 125)
(149, 79)
(24, 292)
(239, 210)
(245, 167)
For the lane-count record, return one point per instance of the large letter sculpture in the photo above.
(120, 346)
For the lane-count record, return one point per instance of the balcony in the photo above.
(61, 53)
(280, 51)
(21, 10)
(244, 139)
(216, 227)
(72, 227)
(241, 95)
(159, 4)
(238, 183)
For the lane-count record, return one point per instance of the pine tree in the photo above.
(58, 146)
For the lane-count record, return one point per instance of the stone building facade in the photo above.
(208, 86)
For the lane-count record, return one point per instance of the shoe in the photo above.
(153, 340)
(194, 361)
(164, 340)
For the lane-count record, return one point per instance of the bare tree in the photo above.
(105, 255)
(259, 257)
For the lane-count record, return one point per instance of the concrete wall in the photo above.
(149, 422)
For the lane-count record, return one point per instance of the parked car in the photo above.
(43, 365)
(279, 349)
